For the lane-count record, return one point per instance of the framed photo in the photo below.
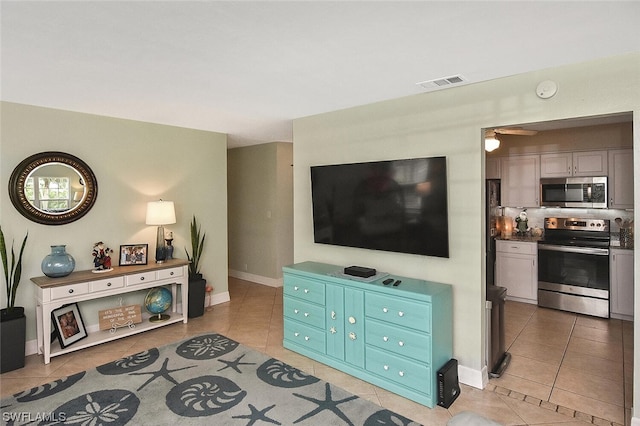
(68, 324)
(133, 254)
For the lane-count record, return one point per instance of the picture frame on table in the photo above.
(133, 254)
(68, 324)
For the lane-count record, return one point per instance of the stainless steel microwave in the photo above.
(581, 192)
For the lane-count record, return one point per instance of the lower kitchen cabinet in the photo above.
(517, 269)
(621, 279)
(396, 338)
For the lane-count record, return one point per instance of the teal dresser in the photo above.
(396, 338)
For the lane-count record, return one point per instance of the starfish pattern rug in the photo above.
(208, 379)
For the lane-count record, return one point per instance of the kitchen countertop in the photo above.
(524, 239)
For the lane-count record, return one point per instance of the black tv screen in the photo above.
(397, 205)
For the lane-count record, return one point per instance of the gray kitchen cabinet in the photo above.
(520, 181)
(581, 163)
(517, 269)
(621, 277)
(620, 182)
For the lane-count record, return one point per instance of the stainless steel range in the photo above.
(573, 266)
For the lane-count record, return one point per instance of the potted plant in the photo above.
(13, 322)
(197, 283)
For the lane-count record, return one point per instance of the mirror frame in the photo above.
(24, 169)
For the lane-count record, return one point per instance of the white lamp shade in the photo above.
(160, 213)
(491, 144)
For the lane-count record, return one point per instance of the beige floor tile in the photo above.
(582, 382)
(598, 367)
(413, 410)
(533, 370)
(524, 386)
(532, 414)
(609, 336)
(537, 351)
(545, 336)
(590, 406)
(597, 349)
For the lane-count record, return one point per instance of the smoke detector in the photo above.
(442, 82)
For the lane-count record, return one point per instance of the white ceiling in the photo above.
(249, 68)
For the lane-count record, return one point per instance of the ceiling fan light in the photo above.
(491, 144)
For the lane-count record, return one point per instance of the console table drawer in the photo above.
(169, 273)
(69, 290)
(308, 290)
(304, 335)
(399, 340)
(402, 371)
(142, 278)
(399, 311)
(305, 312)
(106, 284)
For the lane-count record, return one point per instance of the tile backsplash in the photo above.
(536, 216)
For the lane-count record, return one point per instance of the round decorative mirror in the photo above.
(53, 188)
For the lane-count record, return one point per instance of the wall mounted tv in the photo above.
(397, 205)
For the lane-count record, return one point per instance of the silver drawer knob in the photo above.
(306, 314)
(352, 336)
(385, 310)
(170, 273)
(141, 278)
(306, 290)
(333, 315)
(306, 338)
(295, 311)
(295, 288)
(296, 334)
(108, 284)
(333, 330)
(386, 367)
(385, 338)
(400, 314)
(400, 343)
(70, 290)
(401, 373)
(352, 320)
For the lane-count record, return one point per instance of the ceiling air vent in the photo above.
(442, 82)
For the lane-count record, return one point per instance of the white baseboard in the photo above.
(635, 421)
(271, 282)
(218, 298)
(475, 378)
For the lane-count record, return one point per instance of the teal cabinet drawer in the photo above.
(399, 370)
(399, 311)
(304, 312)
(399, 340)
(304, 335)
(304, 289)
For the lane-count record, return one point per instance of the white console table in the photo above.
(81, 286)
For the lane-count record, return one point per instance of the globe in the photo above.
(156, 302)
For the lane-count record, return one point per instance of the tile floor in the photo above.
(253, 317)
(574, 361)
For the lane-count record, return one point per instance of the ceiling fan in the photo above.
(492, 142)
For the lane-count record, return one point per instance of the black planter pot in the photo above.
(197, 287)
(13, 329)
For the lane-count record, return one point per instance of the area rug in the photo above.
(208, 379)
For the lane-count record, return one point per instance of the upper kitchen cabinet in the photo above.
(620, 183)
(520, 181)
(587, 163)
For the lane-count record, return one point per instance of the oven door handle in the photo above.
(572, 249)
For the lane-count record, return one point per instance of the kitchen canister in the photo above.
(626, 238)
(58, 263)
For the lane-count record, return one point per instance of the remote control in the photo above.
(397, 283)
(387, 281)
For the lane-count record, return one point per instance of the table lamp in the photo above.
(160, 213)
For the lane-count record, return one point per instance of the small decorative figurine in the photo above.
(522, 223)
(101, 256)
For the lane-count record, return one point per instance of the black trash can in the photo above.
(498, 358)
(197, 287)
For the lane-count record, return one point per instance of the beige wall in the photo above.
(134, 162)
(260, 211)
(450, 122)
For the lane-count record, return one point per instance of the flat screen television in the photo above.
(396, 205)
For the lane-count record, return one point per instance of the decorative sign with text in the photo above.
(122, 316)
